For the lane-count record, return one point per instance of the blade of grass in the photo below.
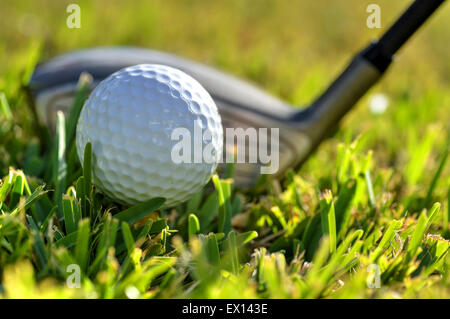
(17, 189)
(68, 213)
(233, 249)
(6, 186)
(435, 179)
(389, 235)
(211, 248)
(87, 174)
(80, 189)
(446, 215)
(46, 221)
(139, 211)
(208, 211)
(223, 191)
(107, 239)
(82, 244)
(420, 152)
(193, 226)
(344, 205)
(128, 237)
(246, 237)
(369, 188)
(59, 173)
(30, 200)
(328, 219)
(38, 243)
(4, 107)
(146, 229)
(84, 83)
(194, 202)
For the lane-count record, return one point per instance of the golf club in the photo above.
(241, 105)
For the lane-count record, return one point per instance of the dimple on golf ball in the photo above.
(130, 118)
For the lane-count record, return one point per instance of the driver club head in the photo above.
(240, 104)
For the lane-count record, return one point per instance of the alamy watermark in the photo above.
(374, 19)
(374, 278)
(73, 20)
(74, 278)
(248, 145)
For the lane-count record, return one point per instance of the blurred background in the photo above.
(292, 49)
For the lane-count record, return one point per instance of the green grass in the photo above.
(374, 196)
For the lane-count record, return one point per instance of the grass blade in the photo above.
(194, 202)
(30, 200)
(211, 248)
(6, 186)
(38, 243)
(389, 235)
(68, 213)
(343, 206)
(80, 189)
(208, 211)
(82, 244)
(87, 174)
(435, 179)
(193, 226)
(128, 237)
(233, 249)
(4, 107)
(139, 211)
(328, 219)
(246, 237)
(81, 94)
(223, 192)
(59, 173)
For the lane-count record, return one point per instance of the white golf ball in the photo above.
(130, 119)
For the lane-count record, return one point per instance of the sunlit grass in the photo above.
(374, 196)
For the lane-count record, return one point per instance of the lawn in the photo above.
(367, 216)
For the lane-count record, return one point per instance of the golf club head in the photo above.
(241, 105)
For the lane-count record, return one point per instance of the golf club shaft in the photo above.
(363, 72)
(406, 25)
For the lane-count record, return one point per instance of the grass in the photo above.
(373, 199)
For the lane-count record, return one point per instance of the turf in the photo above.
(366, 217)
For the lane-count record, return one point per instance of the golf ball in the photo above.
(143, 123)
